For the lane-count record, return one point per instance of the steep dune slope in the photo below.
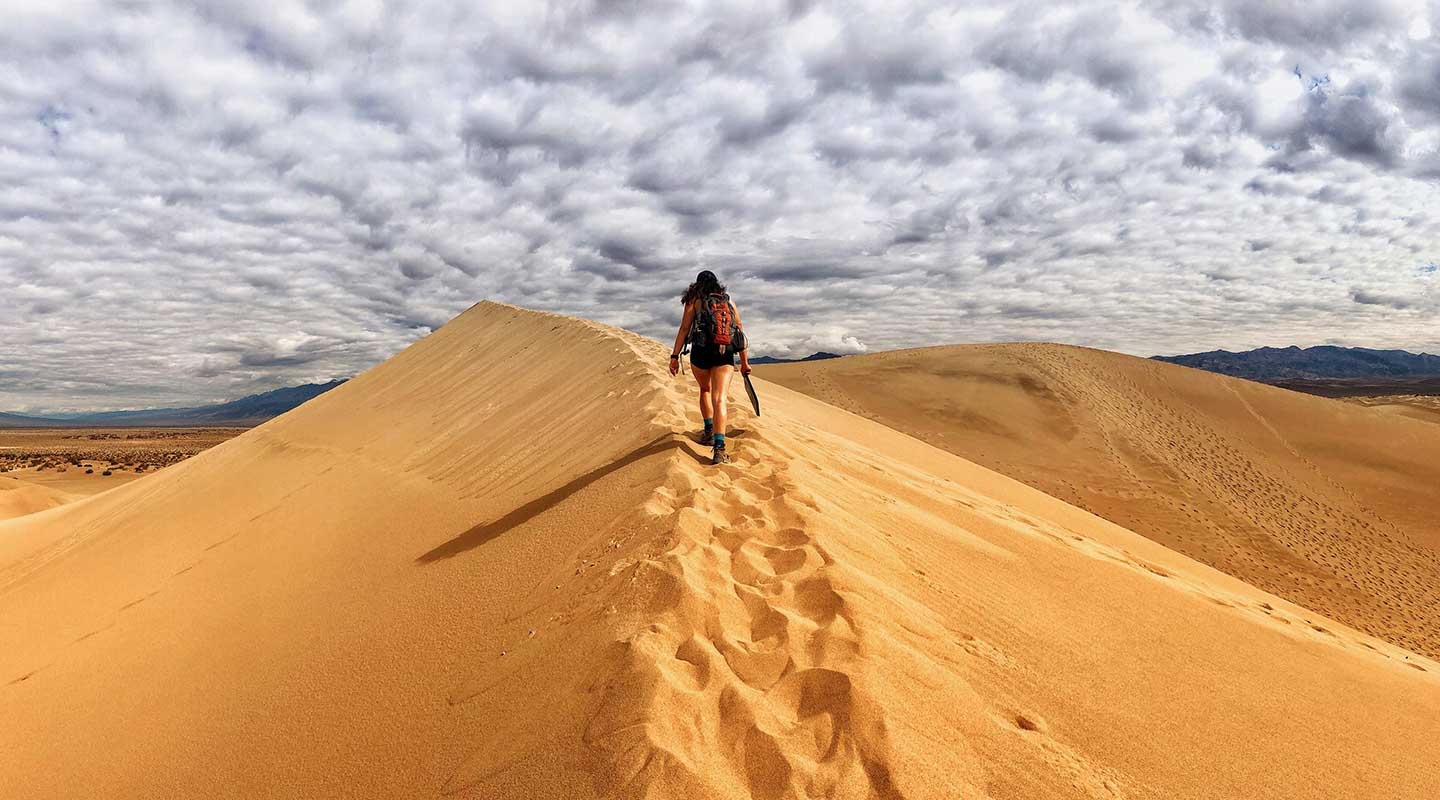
(490, 568)
(1327, 504)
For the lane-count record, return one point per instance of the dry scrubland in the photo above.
(136, 450)
(421, 584)
(41, 468)
(1327, 503)
(1414, 397)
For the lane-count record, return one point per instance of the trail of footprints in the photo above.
(754, 643)
(1295, 536)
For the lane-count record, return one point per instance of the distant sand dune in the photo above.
(1326, 503)
(1421, 407)
(18, 498)
(498, 567)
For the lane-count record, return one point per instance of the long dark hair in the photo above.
(705, 283)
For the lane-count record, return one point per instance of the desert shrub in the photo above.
(107, 472)
(89, 472)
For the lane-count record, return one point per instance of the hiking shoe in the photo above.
(707, 438)
(719, 456)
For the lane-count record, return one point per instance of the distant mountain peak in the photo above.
(1313, 363)
(820, 356)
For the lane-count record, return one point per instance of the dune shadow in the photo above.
(698, 457)
(484, 532)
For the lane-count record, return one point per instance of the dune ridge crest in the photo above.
(742, 676)
(497, 566)
(728, 671)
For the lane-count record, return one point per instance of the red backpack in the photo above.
(714, 323)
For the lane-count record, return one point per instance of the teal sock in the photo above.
(709, 425)
(719, 440)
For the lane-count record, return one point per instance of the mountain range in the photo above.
(821, 356)
(21, 421)
(1276, 364)
(250, 410)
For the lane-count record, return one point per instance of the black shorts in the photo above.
(711, 357)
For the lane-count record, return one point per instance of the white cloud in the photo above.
(202, 201)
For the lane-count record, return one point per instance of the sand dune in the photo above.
(1421, 407)
(493, 568)
(1326, 503)
(27, 491)
(18, 498)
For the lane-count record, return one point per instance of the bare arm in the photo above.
(744, 354)
(685, 321)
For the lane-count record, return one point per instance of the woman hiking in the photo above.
(712, 326)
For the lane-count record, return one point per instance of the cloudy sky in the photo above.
(201, 200)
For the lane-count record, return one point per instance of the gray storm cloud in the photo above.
(203, 200)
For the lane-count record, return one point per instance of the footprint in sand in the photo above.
(1029, 723)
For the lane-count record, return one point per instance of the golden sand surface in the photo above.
(19, 497)
(497, 566)
(1324, 502)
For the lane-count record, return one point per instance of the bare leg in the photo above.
(702, 378)
(719, 382)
